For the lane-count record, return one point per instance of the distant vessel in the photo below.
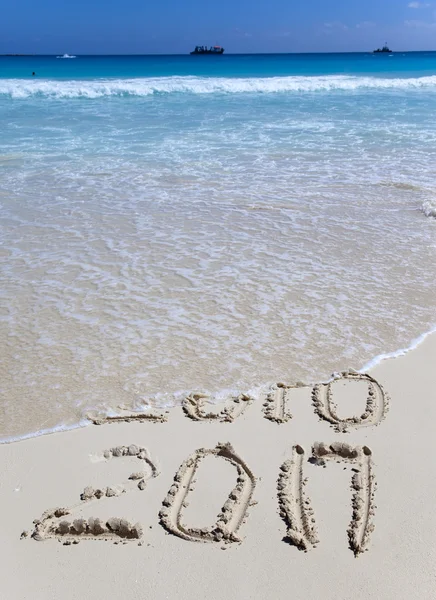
(206, 50)
(384, 50)
(66, 56)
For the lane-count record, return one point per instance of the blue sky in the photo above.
(174, 26)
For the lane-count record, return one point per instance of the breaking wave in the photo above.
(98, 88)
(429, 208)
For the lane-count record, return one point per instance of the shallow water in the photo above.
(170, 225)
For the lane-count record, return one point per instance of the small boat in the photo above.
(384, 50)
(206, 50)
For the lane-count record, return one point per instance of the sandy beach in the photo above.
(286, 526)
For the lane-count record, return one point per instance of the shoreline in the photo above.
(261, 390)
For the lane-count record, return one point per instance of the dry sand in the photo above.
(237, 506)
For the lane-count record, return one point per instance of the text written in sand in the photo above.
(293, 504)
(276, 406)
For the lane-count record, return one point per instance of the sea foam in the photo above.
(429, 208)
(97, 88)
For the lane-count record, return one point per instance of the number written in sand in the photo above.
(295, 507)
(233, 512)
(57, 523)
(376, 407)
(277, 404)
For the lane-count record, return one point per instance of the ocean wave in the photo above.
(97, 88)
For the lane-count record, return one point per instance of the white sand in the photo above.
(52, 471)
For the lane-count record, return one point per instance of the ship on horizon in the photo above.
(206, 50)
(384, 50)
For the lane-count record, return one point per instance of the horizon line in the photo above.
(22, 55)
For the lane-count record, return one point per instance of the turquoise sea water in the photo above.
(400, 64)
(178, 223)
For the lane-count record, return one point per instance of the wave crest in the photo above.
(98, 88)
(429, 208)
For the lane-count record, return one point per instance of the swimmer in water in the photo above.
(33, 73)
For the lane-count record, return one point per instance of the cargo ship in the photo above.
(384, 50)
(206, 50)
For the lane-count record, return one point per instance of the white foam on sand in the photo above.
(56, 429)
(401, 352)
